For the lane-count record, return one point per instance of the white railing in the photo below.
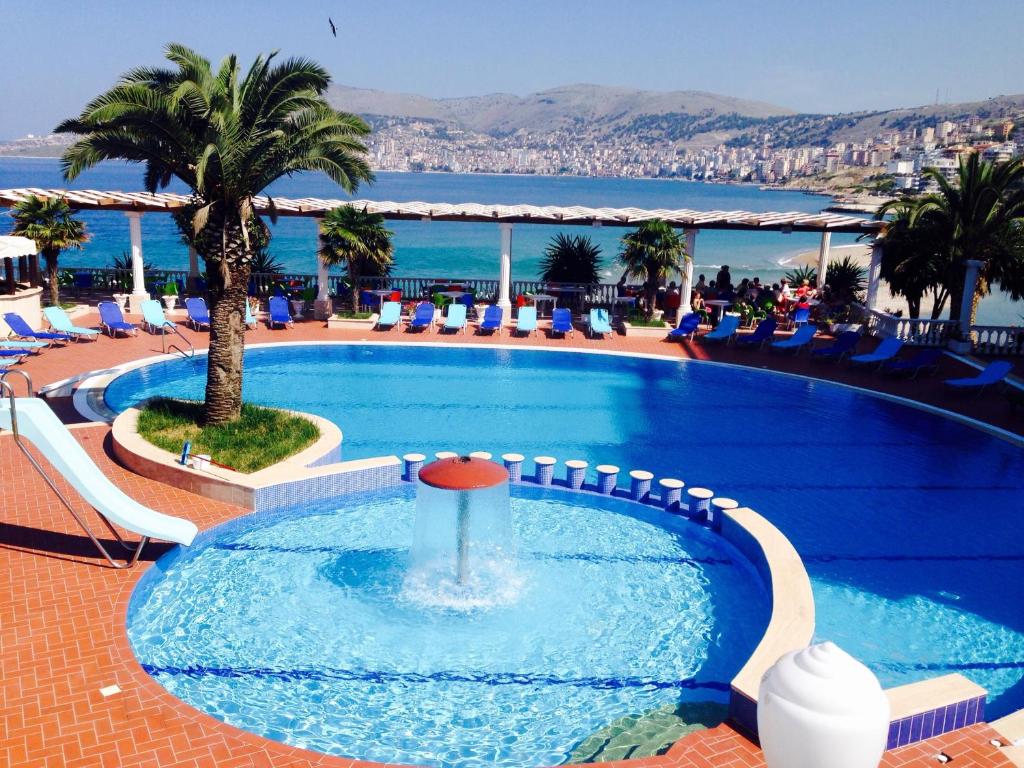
(997, 339)
(922, 332)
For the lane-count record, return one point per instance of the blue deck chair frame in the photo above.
(113, 321)
(886, 350)
(422, 316)
(844, 344)
(993, 373)
(599, 323)
(61, 323)
(22, 330)
(688, 326)
(278, 312)
(493, 319)
(725, 331)
(390, 316)
(526, 320)
(763, 334)
(926, 359)
(800, 339)
(198, 312)
(456, 319)
(561, 322)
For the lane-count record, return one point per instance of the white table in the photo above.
(453, 295)
(381, 293)
(719, 305)
(542, 298)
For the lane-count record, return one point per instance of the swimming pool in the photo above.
(305, 626)
(909, 523)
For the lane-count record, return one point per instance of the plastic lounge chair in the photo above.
(993, 373)
(845, 343)
(493, 317)
(599, 323)
(764, 333)
(886, 350)
(250, 318)
(390, 315)
(561, 322)
(112, 319)
(279, 314)
(423, 315)
(13, 355)
(198, 313)
(22, 330)
(725, 330)
(688, 326)
(925, 359)
(800, 339)
(153, 318)
(25, 346)
(456, 319)
(800, 317)
(526, 322)
(61, 323)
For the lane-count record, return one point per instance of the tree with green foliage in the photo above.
(797, 275)
(359, 241)
(915, 260)
(846, 279)
(228, 135)
(652, 253)
(51, 224)
(571, 259)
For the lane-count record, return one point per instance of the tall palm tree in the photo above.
(915, 259)
(977, 213)
(571, 259)
(357, 240)
(228, 135)
(53, 227)
(652, 253)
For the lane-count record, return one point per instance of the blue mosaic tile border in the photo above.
(333, 456)
(327, 486)
(935, 722)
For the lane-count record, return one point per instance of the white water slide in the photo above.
(36, 422)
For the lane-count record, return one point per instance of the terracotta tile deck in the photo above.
(62, 635)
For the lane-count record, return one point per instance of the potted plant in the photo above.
(170, 296)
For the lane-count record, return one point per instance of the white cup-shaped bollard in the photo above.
(821, 707)
(480, 455)
(445, 455)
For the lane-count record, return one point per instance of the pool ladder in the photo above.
(165, 347)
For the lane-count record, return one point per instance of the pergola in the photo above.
(134, 204)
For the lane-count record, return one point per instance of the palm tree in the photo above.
(571, 259)
(846, 279)
(652, 253)
(915, 260)
(977, 214)
(53, 227)
(357, 240)
(227, 135)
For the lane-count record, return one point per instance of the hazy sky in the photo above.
(815, 56)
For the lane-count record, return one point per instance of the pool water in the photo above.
(297, 625)
(909, 522)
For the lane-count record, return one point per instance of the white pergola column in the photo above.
(505, 270)
(139, 293)
(823, 254)
(687, 287)
(322, 309)
(874, 274)
(970, 284)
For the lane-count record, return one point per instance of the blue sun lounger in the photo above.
(926, 358)
(598, 323)
(25, 346)
(112, 319)
(61, 323)
(422, 316)
(13, 355)
(279, 314)
(725, 330)
(800, 339)
(456, 319)
(390, 315)
(845, 343)
(526, 322)
(688, 326)
(22, 330)
(763, 334)
(886, 350)
(561, 322)
(493, 319)
(993, 373)
(198, 313)
(250, 318)
(153, 318)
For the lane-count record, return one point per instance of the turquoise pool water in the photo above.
(304, 626)
(909, 522)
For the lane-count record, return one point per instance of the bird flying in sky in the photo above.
(334, 29)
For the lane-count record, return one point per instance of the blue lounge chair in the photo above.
(561, 322)
(886, 350)
(198, 313)
(526, 322)
(13, 355)
(456, 319)
(725, 330)
(493, 319)
(803, 336)
(153, 318)
(279, 314)
(61, 323)
(390, 315)
(24, 346)
(599, 323)
(112, 319)
(422, 316)
(688, 326)
(845, 343)
(763, 334)
(993, 373)
(925, 359)
(250, 318)
(22, 330)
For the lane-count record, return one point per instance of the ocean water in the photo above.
(452, 250)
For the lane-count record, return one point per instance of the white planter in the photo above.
(122, 300)
(169, 302)
(298, 307)
(352, 324)
(644, 331)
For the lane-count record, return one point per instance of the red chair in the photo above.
(520, 301)
(396, 296)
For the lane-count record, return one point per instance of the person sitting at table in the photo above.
(701, 286)
(696, 301)
(672, 300)
(802, 302)
(711, 292)
(805, 286)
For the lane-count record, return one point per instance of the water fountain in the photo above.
(463, 552)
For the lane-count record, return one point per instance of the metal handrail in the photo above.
(6, 389)
(163, 341)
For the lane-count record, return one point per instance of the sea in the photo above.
(449, 250)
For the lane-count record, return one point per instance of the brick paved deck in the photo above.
(62, 634)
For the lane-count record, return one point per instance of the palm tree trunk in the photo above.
(353, 275)
(914, 307)
(650, 295)
(53, 276)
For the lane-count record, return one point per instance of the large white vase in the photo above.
(821, 707)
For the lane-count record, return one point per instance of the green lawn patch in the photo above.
(261, 437)
(639, 321)
(350, 315)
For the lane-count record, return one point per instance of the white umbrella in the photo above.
(14, 247)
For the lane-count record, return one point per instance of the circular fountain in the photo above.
(463, 551)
